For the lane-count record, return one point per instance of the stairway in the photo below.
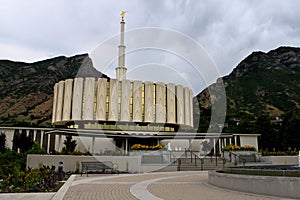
(195, 164)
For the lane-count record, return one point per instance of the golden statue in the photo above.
(123, 15)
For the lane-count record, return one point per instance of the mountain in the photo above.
(263, 83)
(26, 89)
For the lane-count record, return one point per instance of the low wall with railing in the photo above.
(287, 187)
(73, 163)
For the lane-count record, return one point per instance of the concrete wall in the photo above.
(280, 160)
(268, 185)
(249, 140)
(70, 163)
(194, 145)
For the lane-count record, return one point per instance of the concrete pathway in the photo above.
(152, 186)
(149, 186)
(26, 196)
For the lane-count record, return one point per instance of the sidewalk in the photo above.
(152, 186)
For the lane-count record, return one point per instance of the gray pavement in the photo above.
(26, 196)
(153, 186)
(148, 186)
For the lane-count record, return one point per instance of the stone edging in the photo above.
(287, 187)
(63, 190)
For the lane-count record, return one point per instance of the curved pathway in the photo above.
(152, 186)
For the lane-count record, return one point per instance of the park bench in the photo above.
(98, 167)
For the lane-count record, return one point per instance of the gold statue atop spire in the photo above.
(123, 15)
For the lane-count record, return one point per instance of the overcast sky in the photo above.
(228, 30)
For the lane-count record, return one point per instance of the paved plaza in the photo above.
(152, 186)
(149, 186)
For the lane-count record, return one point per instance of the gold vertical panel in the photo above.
(60, 101)
(125, 100)
(101, 99)
(67, 99)
(137, 110)
(54, 103)
(77, 99)
(148, 117)
(160, 107)
(187, 116)
(179, 104)
(171, 117)
(113, 100)
(88, 96)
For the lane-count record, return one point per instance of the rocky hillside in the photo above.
(26, 89)
(263, 83)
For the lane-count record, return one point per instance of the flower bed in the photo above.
(146, 147)
(239, 148)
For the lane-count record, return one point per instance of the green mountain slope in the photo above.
(26, 89)
(263, 83)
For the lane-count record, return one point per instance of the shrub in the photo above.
(146, 147)
(232, 147)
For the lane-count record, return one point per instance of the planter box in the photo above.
(152, 156)
(241, 156)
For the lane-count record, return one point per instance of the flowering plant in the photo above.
(232, 147)
(146, 147)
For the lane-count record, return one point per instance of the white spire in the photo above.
(121, 69)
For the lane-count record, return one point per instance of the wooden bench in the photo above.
(97, 166)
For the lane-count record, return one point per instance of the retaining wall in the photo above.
(268, 185)
(71, 163)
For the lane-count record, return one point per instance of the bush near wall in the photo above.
(239, 148)
(146, 147)
(44, 179)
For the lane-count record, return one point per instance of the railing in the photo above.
(235, 158)
(194, 155)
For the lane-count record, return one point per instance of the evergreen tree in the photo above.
(268, 136)
(290, 131)
(2, 142)
(22, 141)
(69, 144)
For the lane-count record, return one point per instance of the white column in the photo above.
(187, 116)
(88, 98)
(93, 145)
(215, 149)
(77, 99)
(235, 140)
(180, 106)
(137, 101)
(42, 137)
(160, 108)
(101, 99)
(148, 102)
(54, 103)
(60, 100)
(171, 117)
(67, 99)
(125, 101)
(58, 143)
(126, 145)
(191, 108)
(113, 100)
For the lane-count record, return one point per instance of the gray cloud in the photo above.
(229, 30)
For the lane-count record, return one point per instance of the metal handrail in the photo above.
(237, 156)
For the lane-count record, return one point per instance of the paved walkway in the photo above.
(152, 186)
(26, 196)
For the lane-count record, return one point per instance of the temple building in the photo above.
(114, 105)
(112, 114)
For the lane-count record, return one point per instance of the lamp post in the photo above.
(60, 170)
